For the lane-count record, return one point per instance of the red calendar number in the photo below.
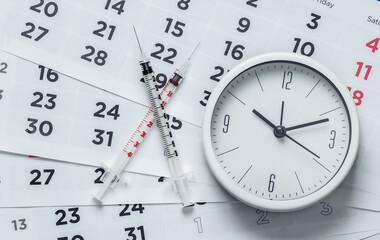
(360, 66)
(357, 95)
(373, 44)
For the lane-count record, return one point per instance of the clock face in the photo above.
(281, 134)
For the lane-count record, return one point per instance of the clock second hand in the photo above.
(280, 131)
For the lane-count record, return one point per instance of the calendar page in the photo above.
(71, 95)
(204, 221)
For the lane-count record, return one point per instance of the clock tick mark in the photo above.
(245, 174)
(236, 97)
(313, 88)
(329, 111)
(258, 79)
(220, 154)
(321, 165)
(299, 181)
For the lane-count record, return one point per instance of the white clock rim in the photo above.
(290, 204)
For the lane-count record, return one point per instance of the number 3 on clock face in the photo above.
(280, 132)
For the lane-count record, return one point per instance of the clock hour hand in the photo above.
(307, 124)
(264, 118)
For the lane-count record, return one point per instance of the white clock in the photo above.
(280, 132)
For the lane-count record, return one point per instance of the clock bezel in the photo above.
(289, 204)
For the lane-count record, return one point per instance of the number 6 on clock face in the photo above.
(280, 132)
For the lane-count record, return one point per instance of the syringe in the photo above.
(179, 178)
(112, 174)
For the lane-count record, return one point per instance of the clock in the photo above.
(280, 132)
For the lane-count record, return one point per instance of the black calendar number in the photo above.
(244, 24)
(177, 26)
(116, 5)
(74, 218)
(183, 4)
(1, 95)
(326, 208)
(218, 74)
(45, 127)
(19, 224)
(113, 112)
(313, 24)
(132, 232)
(98, 179)
(161, 49)
(203, 102)
(176, 123)
(135, 208)
(263, 219)
(99, 139)
(50, 9)
(252, 3)
(103, 27)
(307, 48)
(100, 58)
(236, 51)
(50, 101)
(40, 34)
(50, 75)
(3, 67)
(76, 237)
(38, 175)
(161, 80)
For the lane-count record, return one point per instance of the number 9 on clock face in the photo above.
(280, 132)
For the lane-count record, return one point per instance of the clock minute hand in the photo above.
(264, 118)
(307, 124)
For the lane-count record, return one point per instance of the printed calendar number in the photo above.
(326, 208)
(236, 51)
(3, 67)
(177, 27)
(357, 95)
(115, 5)
(306, 49)
(74, 216)
(45, 128)
(50, 75)
(99, 59)
(135, 208)
(37, 179)
(99, 139)
(19, 224)
(50, 102)
(373, 44)
(1, 95)
(50, 9)
(244, 24)
(101, 32)
(161, 49)
(314, 21)
(203, 102)
(76, 237)
(198, 221)
(263, 219)
(113, 112)
(161, 80)
(183, 4)
(135, 233)
(98, 179)
(31, 28)
(176, 123)
(252, 3)
(360, 67)
(219, 73)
